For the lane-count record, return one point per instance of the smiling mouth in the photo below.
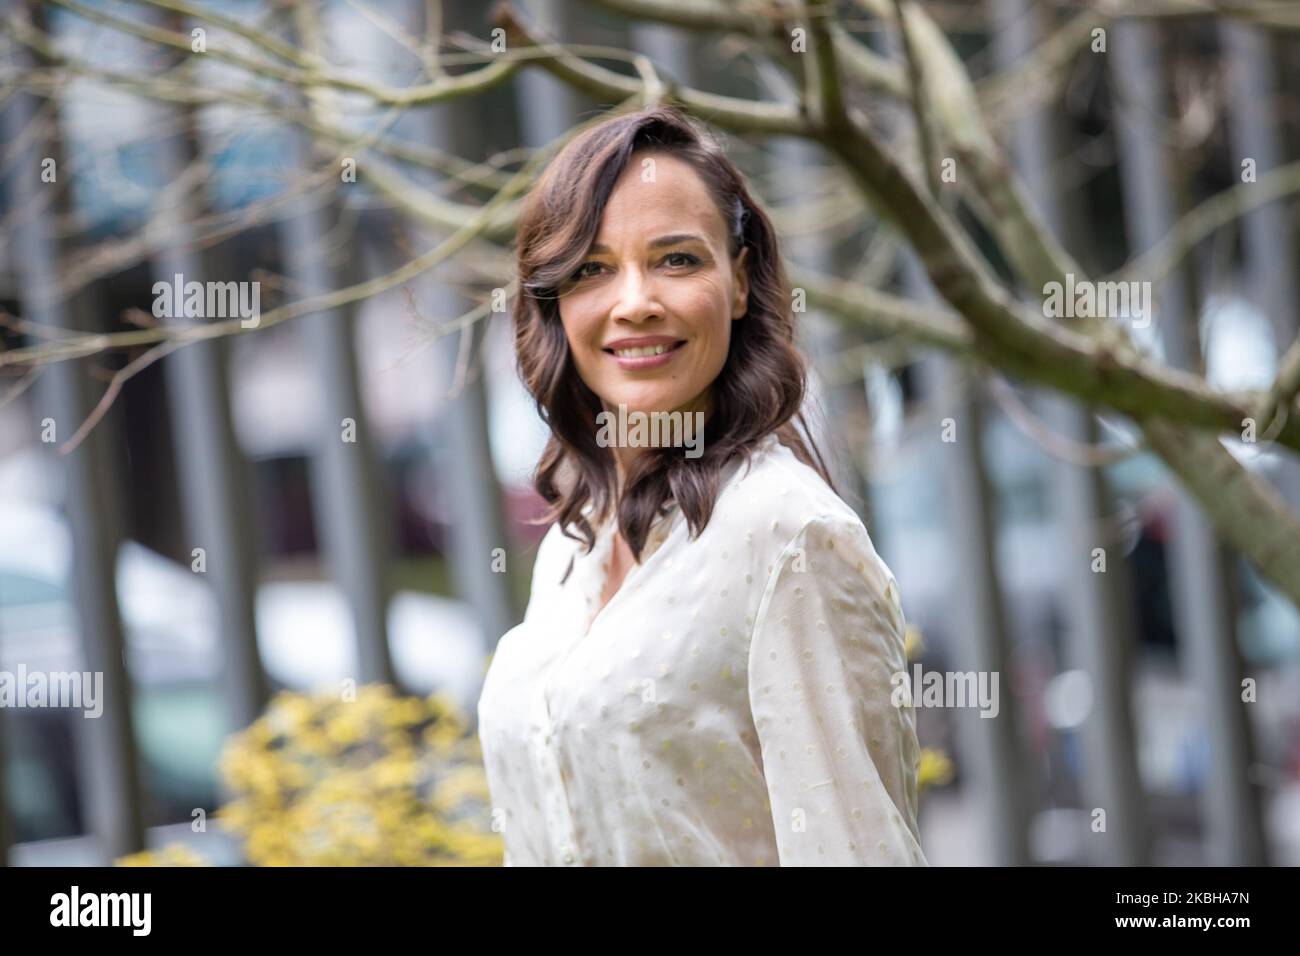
(645, 351)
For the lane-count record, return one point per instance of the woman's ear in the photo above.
(740, 270)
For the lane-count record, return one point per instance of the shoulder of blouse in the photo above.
(802, 523)
(837, 551)
(777, 497)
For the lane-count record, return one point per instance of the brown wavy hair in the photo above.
(761, 386)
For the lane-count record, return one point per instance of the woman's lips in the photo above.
(638, 362)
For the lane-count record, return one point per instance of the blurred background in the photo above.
(339, 502)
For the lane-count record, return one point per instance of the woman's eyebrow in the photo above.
(600, 249)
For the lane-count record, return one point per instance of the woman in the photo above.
(703, 673)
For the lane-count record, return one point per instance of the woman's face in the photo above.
(657, 279)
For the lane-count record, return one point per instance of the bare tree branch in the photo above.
(1246, 512)
(728, 112)
(883, 314)
(764, 22)
(1006, 96)
(115, 386)
(441, 89)
(1080, 454)
(1179, 412)
(83, 345)
(825, 99)
(1210, 215)
(920, 113)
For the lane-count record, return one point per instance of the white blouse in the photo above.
(730, 705)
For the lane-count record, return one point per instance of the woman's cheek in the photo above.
(703, 301)
(582, 328)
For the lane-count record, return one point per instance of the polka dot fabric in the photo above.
(729, 706)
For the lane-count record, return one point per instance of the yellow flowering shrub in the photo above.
(935, 768)
(176, 854)
(379, 780)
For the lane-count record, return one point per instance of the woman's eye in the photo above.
(582, 271)
(681, 259)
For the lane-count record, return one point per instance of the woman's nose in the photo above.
(636, 299)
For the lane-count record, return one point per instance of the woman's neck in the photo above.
(625, 457)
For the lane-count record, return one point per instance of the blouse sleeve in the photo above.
(839, 759)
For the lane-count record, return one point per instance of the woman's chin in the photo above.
(642, 405)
